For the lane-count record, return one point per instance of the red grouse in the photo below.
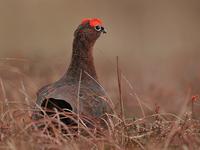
(78, 90)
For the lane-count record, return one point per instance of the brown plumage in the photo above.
(63, 94)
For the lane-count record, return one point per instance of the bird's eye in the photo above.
(97, 28)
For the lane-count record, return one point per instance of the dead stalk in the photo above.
(120, 100)
(78, 102)
(120, 91)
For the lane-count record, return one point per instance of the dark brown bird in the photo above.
(79, 89)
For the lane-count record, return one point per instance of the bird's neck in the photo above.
(81, 61)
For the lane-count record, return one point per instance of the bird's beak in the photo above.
(103, 30)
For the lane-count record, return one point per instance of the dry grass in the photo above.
(153, 130)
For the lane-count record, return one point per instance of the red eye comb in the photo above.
(93, 22)
(85, 20)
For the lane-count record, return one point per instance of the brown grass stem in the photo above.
(120, 91)
(78, 103)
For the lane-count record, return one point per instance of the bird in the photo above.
(79, 89)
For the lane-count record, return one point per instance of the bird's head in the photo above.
(89, 30)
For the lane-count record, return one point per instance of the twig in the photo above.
(120, 91)
(78, 103)
(120, 99)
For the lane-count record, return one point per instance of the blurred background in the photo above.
(158, 44)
